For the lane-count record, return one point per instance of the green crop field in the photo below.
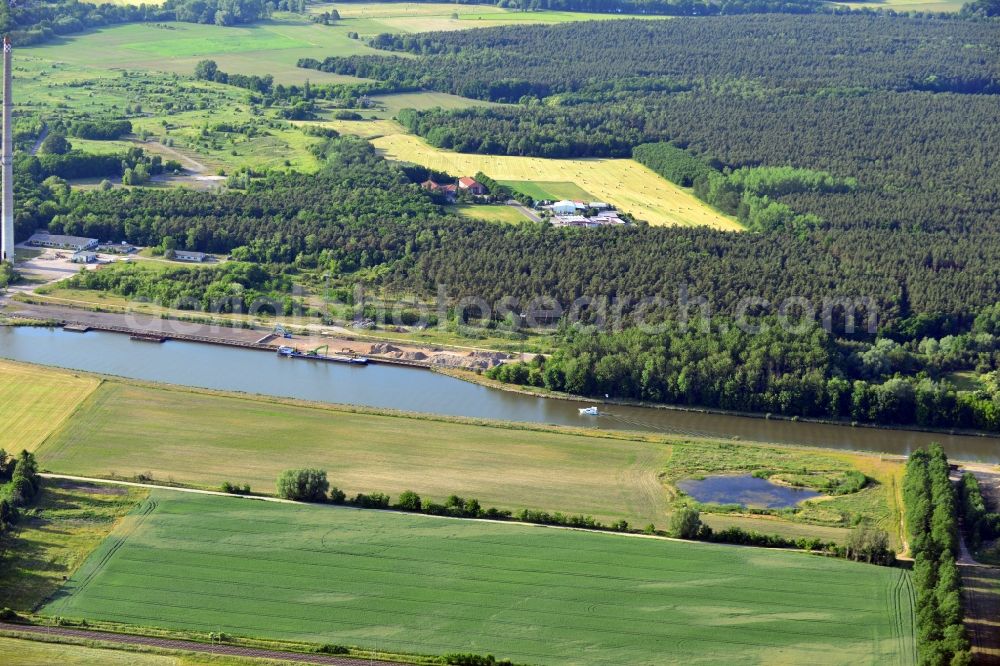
(429, 585)
(554, 191)
(497, 213)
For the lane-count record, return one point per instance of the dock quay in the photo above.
(262, 344)
(144, 337)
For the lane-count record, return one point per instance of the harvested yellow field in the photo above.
(366, 129)
(626, 184)
(34, 401)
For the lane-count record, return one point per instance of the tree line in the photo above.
(932, 523)
(233, 287)
(19, 486)
(980, 522)
(312, 485)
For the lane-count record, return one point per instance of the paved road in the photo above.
(193, 646)
(524, 210)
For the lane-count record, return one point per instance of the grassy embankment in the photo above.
(425, 585)
(203, 438)
(28, 652)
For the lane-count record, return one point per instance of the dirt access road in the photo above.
(980, 582)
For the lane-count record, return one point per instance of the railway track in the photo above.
(193, 646)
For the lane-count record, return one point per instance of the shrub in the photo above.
(329, 648)
(234, 489)
(474, 660)
(685, 523)
(304, 485)
(371, 501)
(867, 544)
(409, 501)
(337, 496)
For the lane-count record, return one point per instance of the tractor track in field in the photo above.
(192, 646)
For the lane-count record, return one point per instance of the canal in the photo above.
(418, 390)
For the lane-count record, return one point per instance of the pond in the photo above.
(745, 490)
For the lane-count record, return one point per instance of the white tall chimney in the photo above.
(7, 159)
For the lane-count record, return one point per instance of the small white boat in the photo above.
(589, 411)
(286, 351)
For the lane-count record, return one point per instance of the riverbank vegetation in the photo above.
(774, 368)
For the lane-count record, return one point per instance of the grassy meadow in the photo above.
(35, 401)
(427, 585)
(372, 18)
(203, 438)
(497, 213)
(625, 183)
(66, 524)
(269, 47)
(909, 5)
(555, 191)
(173, 109)
(274, 46)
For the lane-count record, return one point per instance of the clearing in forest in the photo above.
(628, 185)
